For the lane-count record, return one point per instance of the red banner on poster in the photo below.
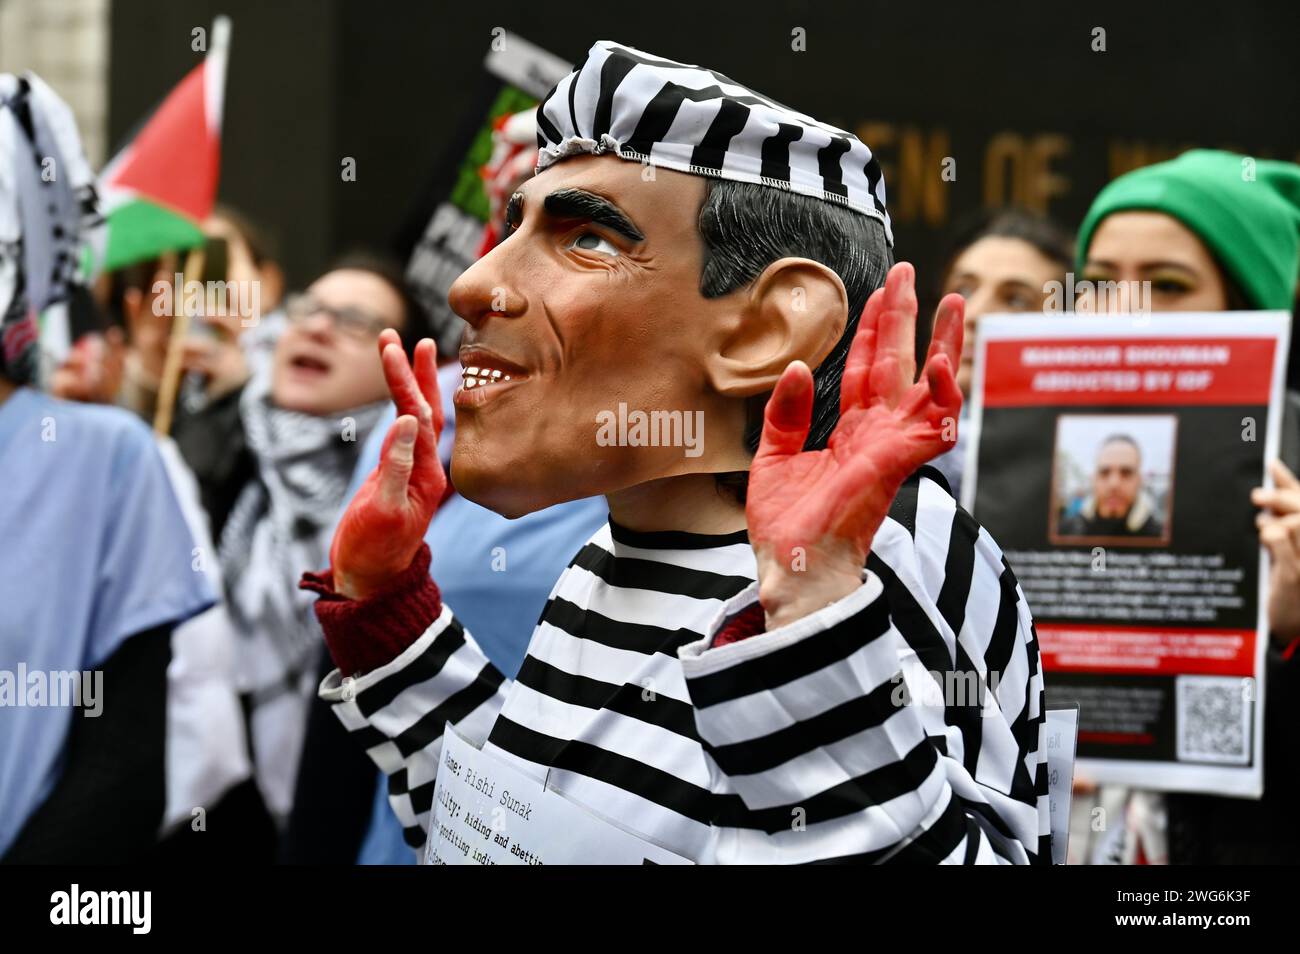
(1148, 651)
(1198, 371)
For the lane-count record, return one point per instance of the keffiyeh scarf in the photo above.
(280, 527)
(48, 210)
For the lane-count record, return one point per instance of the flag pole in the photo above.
(172, 367)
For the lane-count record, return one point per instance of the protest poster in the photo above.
(516, 76)
(1112, 457)
(487, 812)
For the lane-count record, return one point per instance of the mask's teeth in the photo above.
(477, 377)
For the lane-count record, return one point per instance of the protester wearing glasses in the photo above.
(298, 428)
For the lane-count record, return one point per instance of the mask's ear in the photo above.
(796, 309)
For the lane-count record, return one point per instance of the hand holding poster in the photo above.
(1113, 458)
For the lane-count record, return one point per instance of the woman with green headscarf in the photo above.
(1217, 231)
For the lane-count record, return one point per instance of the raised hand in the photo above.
(813, 514)
(219, 359)
(384, 524)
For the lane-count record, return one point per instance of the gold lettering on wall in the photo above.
(923, 193)
(1018, 170)
(1003, 169)
(914, 181)
(1045, 183)
(1022, 169)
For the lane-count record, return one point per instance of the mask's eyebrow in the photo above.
(581, 204)
(514, 213)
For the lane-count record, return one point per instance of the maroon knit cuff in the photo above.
(748, 622)
(363, 635)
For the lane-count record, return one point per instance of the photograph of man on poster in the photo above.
(1124, 500)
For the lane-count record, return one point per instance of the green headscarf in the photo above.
(1246, 211)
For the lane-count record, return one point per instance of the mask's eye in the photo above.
(591, 242)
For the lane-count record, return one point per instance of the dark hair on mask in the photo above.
(745, 228)
(416, 323)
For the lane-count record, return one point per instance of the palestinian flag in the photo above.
(159, 189)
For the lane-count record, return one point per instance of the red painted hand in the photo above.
(813, 514)
(384, 524)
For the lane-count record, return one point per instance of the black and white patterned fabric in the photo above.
(282, 522)
(830, 739)
(691, 119)
(48, 208)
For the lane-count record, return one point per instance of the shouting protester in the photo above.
(299, 427)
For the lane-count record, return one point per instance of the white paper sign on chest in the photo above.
(486, 812)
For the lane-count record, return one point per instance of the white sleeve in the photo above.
(397, 712)
(817, 736)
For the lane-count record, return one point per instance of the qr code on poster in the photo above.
(1214, 718)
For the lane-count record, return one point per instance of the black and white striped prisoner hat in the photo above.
(691, 119)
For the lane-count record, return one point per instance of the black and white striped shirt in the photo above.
(829, 739)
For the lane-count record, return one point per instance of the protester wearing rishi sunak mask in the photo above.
(301, 425)
(96, 561)
(500, 608)
(784, 579)
(1000, 262)
(1216, 231)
